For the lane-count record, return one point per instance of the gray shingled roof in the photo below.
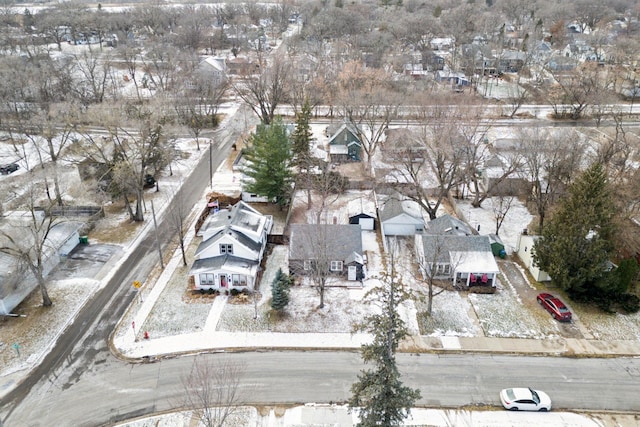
(393, 207)
(335, 241)
(216, 263)
(447, 224)
(439, 246)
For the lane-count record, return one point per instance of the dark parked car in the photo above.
(7, 169)
(558, 310)
(149, 181)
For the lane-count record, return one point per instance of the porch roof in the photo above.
(474, 262)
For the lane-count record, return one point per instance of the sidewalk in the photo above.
(127, 347)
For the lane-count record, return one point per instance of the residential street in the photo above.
(84, 344)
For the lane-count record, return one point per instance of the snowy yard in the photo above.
(177, 311)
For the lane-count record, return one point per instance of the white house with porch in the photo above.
(233, 243)
(465, 260)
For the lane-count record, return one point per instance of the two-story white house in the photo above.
(233, 243)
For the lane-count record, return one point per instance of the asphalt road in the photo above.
(115, 391)
(80, 383)
(83, 346)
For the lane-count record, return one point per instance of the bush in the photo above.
(234, 292)
(630, 303)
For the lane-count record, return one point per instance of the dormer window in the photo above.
(226, 248)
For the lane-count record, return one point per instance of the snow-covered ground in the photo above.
(454, 314)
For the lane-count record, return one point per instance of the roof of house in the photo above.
(335, 241)
(439, 248)
(240, 217)
(393, 207)
(226, 262)
(336, 130)
(238, 237)
(449, 225)
(215, 63)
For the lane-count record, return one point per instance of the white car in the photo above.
(525, 399)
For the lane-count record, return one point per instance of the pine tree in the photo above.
(577, 242)
(268, 161)
(379, 394)
(280, 290)
(302, 136)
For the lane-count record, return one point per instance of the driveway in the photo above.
(528, 293)
(86, 261)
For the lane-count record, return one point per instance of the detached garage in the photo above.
(366, 222)
(401, 218)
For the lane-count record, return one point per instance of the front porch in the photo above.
(475, 279)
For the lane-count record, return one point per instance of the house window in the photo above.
(307, 265)
(239, 280)
(336, 265)
(440, 269)
(206, 279)
(226, 248)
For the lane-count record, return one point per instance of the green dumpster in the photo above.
(84, 240)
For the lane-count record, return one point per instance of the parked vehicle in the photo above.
(525, 399)
(558, 310)
(10, 168)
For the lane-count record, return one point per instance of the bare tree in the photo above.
(263, 92)
(94, 76)
(131, 56)
(30, 243)
(615, 149)
(501, 209)
(550, 161)
(434, 263)
(577, 90)
(327, 186)
(161, 65)
(475, 151)
(178, 221)
(137, 146)
(368, 103)
(212, 390)
(198, 101)
(314, 246)
(50, 132)
(427, 162)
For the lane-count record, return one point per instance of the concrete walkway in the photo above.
(127, 347)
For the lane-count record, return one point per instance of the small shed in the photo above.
(525, 251)
(366, 221)
(497, 247)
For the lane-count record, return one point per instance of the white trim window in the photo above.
(443, 269)
(336, 266)
(226, 248)
(206, 279)
(239, 280)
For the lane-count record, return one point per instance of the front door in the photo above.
(351, 272)
(223, 281)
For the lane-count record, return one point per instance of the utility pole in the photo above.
(155, 227)
(211, 163)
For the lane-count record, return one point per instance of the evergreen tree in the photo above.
(268, 161)
(280, 290)
(577, 242)
(302, 136)
(379, 394)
